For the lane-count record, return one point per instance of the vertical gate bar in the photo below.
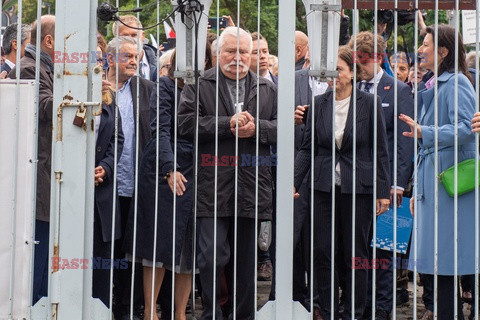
(477, 48)
(394, 205)
(415, 155)
(235, 210)
(72, 187)
(136, 166)
(375, 133)
(94, 93)
(115, 174)
(15, 161)
(285, 134)
(333, 242)
(175, 132)
(312, 197)
(455, 172)
(117, 110)
(354, 157)
(215, 194)
(35, 150)
(435, 201)
(257, 137)
(194, 205)
(153, 304)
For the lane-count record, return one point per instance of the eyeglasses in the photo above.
(165, 66)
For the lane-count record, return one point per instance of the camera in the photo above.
(222, 23)
(169, 44)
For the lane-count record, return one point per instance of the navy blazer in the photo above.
(166, 134)
(303, 96)
(344, 155)
(405, 105)
(104, 156)
(274, 78)
(151, 55)
(145, 89)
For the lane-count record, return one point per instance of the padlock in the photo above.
(80, 116)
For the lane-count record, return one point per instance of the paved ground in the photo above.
(404, 312)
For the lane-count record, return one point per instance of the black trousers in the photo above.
(40, 262)
(301, 249)
(101, 250)
(122, 277)
(246, 242)
(384, 281)
(446, 297)
(343, 231)
(301, 252)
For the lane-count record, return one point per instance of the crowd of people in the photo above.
(233, 112)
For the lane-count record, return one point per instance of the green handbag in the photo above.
(466, 178)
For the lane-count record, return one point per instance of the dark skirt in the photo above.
(146, 213)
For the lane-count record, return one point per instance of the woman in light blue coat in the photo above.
(425, 203)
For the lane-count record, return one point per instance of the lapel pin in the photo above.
(386, 88)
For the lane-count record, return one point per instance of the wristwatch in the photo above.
(167, 175)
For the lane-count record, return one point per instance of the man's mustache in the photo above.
(240, 64)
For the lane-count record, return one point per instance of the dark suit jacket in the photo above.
(45, 110)
(274, 78)
(364, 148)
(267, 131)
(104, 156)
(299, 64)
(151, 54)
(145, 90)
(303, 96)
(385, 91)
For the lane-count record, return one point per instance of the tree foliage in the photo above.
(244, 13)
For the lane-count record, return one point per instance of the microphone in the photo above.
(107, 12)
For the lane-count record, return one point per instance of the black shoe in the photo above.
(381, 315)
(341, 308)
(127, 317)
(137, 314)
(402, 297)
(367, 314)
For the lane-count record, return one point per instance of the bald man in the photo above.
(301, 48)
(45, 108)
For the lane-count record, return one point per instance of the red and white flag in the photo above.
(169, 32)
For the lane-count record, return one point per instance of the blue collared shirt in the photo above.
(126, 163)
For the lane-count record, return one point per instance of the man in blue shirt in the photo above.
(133, 104)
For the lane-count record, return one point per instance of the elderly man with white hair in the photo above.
(237, 123)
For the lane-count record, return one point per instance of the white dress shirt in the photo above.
(375, 79)
(341, 113)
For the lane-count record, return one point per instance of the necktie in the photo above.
(142, 74)
(367, 86)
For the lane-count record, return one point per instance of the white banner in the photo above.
(16, 148)
(469, 26)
